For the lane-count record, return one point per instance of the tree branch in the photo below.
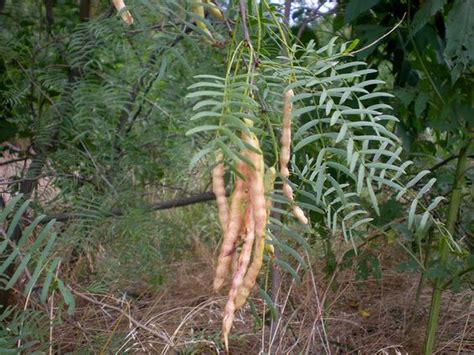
(48, 4)
(11, 161)
(313, 15)
(446, 161)
(157, 206)
(287, 12)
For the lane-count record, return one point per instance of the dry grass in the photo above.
(336, 316)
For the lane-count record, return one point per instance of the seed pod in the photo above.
(250, 278)
(198, 9)
(244, 259)
(257, 190)
(285, 154)
(126, 15)
(299, 214)
(234, 225)
(218, 187)
(214, 10)
(285, 139)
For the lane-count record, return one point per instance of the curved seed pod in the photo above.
(259, 204)
(257, 188)
(250, 278)
(126, 15)
(218, 187)
(234, 225)
(237, 280)
(299, 214)
(285, 142)
(214, 10)
(255, 223)
(198, 9)
(285, 139)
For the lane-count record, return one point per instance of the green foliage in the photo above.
(346, 132)
(111, 113)
(23, 331)
(356, 7)
(460, 37)
(426, 11)
(30, 256)
(30, 265)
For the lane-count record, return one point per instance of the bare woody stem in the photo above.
(157, 206)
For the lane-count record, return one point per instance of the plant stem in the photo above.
(453, 209)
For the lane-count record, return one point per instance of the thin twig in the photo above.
(310, 19)
(446, 161)
(380, 38)
(157, 206)
(11, 161)
(243, 16)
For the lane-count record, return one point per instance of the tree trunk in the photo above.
(85, 10)
(48, 4)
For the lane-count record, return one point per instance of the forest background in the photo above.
(109, 132)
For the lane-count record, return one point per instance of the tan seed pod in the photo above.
(244, 260)
(285, 142)
(285, 139)
(126, 15)
(250, 278)
(257, 190)
(253, 271)
(299, 214)
(218, 187)
(234, 225)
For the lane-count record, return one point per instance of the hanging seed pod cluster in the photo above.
(244, 219)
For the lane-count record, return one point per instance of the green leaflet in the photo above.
(343, 127)
(35, 256)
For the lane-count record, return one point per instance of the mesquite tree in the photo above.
(299, 137)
